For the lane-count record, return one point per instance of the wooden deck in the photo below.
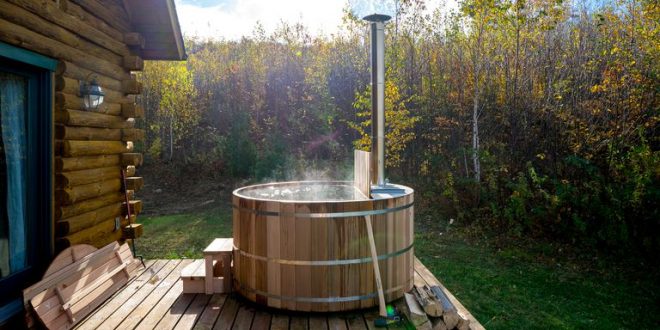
(154, 300)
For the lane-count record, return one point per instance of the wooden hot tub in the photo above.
(303, 245)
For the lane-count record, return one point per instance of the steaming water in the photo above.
(305, 192)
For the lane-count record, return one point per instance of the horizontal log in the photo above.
(133, 63)
(108, 12)
(67, 85)
(87, 220)
(134, 39)
(91, 119)
(101, 48)
(131, 86)
(74, 71)
(88, 18)
(75, 194)
(136, 207)
(132, 134)
(81, 163)
(93, 234)
(132, 110)
(134, 159)
(73, 148)
(77, 178)
(134, 183)
(88, 133)
(74, 102)
(98, 134)
(20, 36)
(67, 211)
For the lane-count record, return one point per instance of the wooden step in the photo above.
(220, 246)
(193, 278)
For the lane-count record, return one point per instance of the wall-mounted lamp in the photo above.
(91, 93)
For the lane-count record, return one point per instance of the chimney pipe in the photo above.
(378, 98)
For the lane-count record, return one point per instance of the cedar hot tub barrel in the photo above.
(303, 246)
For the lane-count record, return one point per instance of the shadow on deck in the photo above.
(154, 300)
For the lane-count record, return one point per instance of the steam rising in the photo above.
(362, 8)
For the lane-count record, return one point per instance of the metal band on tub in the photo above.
(325, 215)
(323, 300)
(322, 262)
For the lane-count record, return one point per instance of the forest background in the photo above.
(529, 118)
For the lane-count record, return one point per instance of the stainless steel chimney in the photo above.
(377, 97)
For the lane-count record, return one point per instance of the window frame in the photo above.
(39, 182)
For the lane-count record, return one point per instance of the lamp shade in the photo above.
(92, 95)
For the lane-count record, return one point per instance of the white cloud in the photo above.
(238, 18)
(232, 19)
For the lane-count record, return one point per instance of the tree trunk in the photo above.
(475, 135)
(171, 140)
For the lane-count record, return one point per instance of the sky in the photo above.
(231, 19)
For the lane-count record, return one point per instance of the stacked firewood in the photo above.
(429, 308)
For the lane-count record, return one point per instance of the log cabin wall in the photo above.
(90, 38)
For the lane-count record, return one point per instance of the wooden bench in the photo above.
(79, 280)
(213, 274)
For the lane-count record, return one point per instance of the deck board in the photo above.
(154, 300)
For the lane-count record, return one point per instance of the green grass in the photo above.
(183, 235)
(507, 288)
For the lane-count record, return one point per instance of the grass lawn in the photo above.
(505, 288)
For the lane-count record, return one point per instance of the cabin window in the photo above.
(25, 173)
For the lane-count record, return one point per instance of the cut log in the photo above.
(77, 178)
(134, 39)
(449, 313)
(414, 312)
(86, 162)
(136, 207)
(130, 170)
(131, 86)
(86, 220)
(68, 211)
(438, 324)
(78, 193)
(73, 148)
(134, 159)
(133, 63)
(132, 111)
(133, 231)
(67, 101)
(134, 183)
(67, 85)
(427, 300)
(91, 119)
(88, 18)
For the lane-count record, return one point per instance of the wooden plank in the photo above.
(317, 322)
(162, 308)
(356, 322)
(143, 308)
(177, 310)
(120, 313)
(336, 323)
(211, 312)
(279, 322)
(432, 280)
(188, 318)
(261, 320)
(361, 170)
(244, 318)
(299, 322)
(227, 315)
